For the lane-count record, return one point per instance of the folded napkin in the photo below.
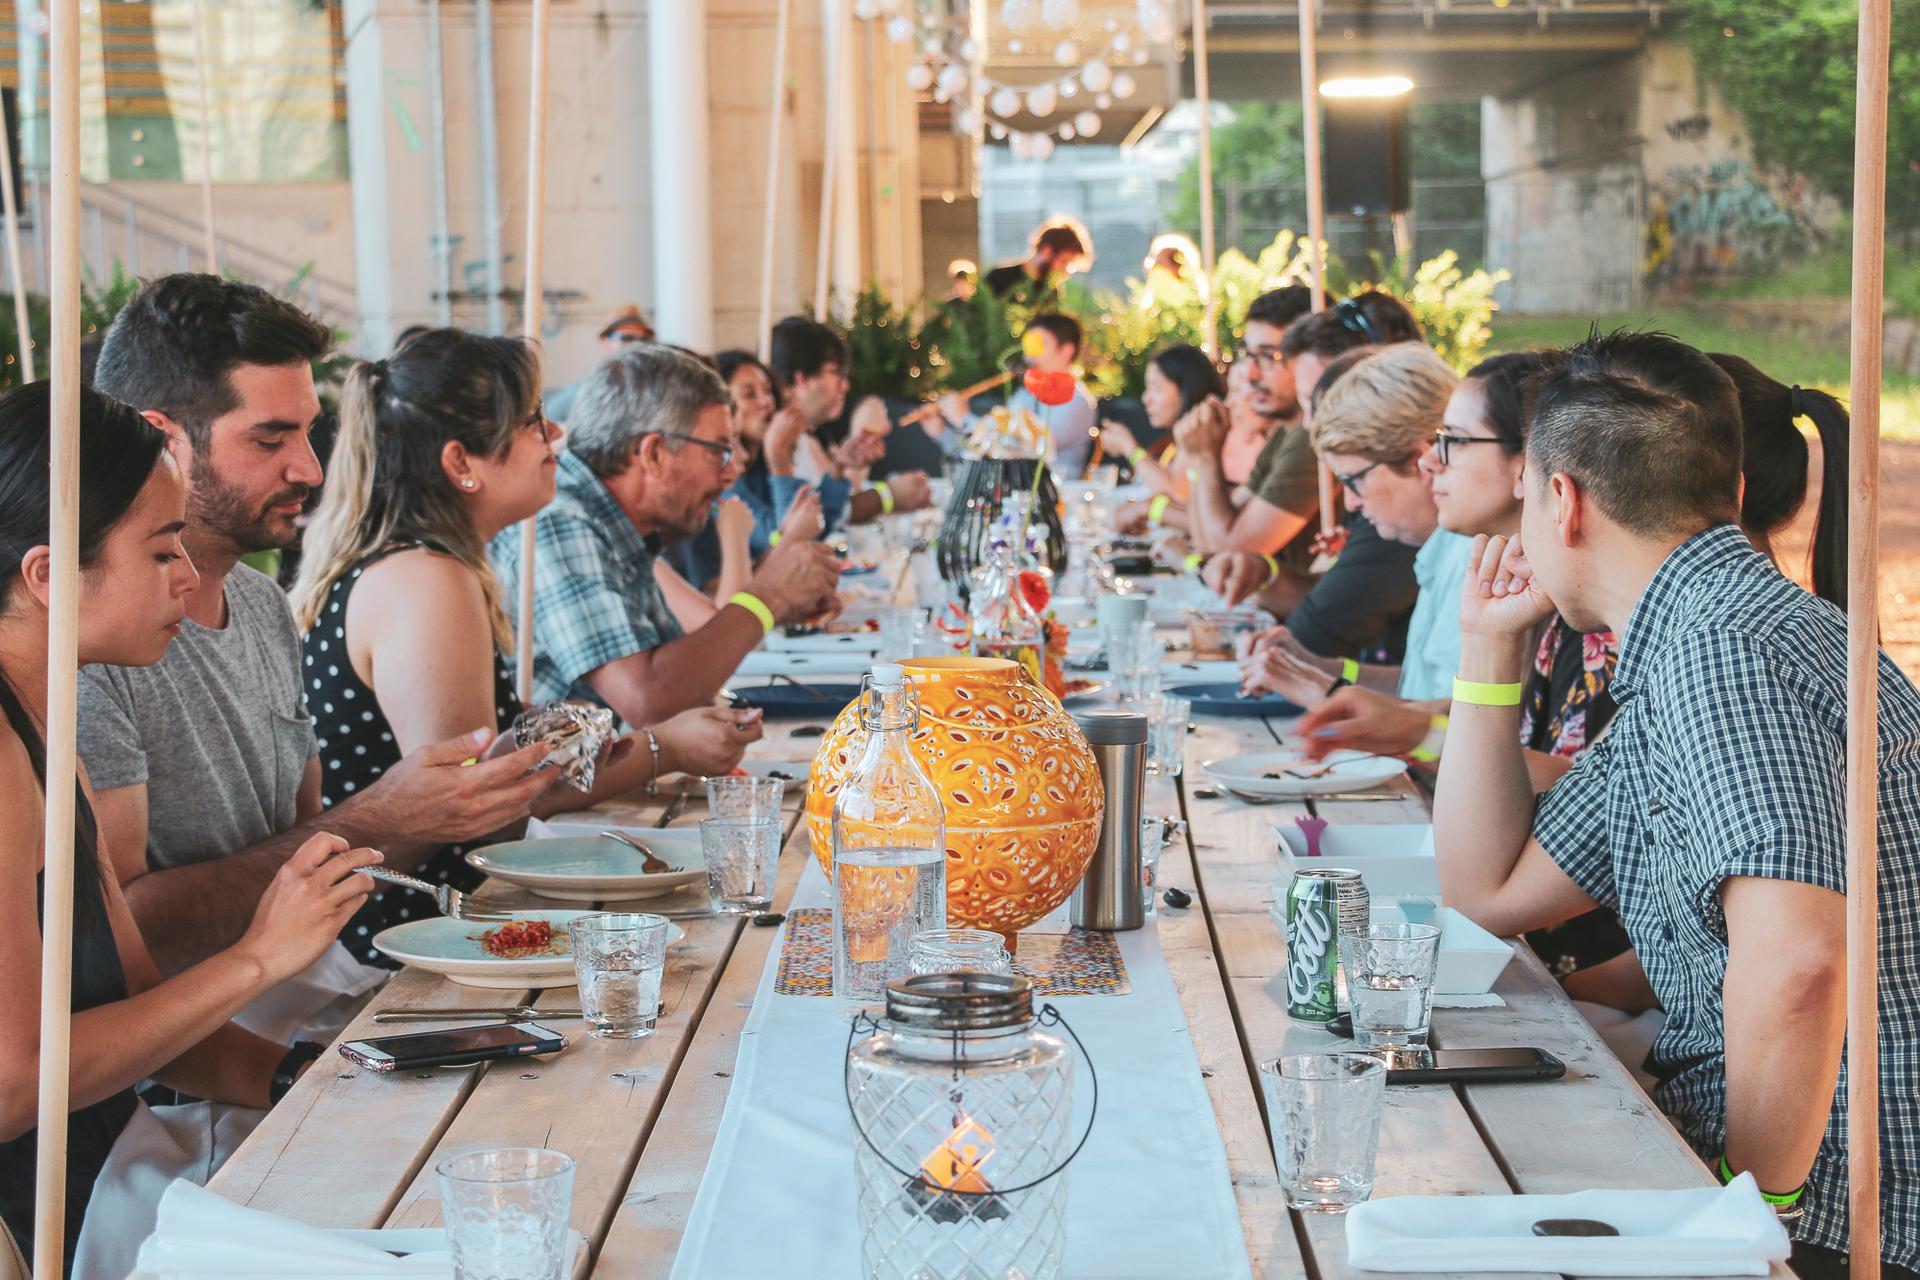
(200, 1234)
(1723, 1231)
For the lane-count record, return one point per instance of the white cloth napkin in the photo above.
(200, 1234)
(1714, 1231)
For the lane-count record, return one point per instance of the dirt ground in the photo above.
(1899, 549)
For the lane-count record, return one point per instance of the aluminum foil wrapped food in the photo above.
(578, 734)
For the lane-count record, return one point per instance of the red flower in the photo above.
(1049, 387)
(1033, 585)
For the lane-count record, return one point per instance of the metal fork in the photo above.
(452, 903)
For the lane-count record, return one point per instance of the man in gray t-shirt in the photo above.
(224, 767)
(203, 765)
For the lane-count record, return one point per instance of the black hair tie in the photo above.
(1797, 402)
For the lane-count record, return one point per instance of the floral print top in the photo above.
(1567, 704)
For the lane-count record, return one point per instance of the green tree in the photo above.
(1788, 67)
(1261, 147)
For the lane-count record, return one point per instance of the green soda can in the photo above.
(1321, 902)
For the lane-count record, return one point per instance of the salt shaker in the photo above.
(1109, 893)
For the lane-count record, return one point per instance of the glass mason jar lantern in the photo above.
(962, 1108)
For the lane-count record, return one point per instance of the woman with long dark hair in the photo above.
(1178, 378)
(442, 445)
(129, 1025)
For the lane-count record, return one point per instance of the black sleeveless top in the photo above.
(357, 746)
(97, 979)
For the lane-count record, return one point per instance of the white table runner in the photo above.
(1150, 1195)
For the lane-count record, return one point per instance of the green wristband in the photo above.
(1777, 1201)
(1157, 509)
(756, 606)
(886, 497)
(1350, 670)
(1480, 693)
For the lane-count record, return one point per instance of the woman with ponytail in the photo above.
(129, 1024)
(442, 445)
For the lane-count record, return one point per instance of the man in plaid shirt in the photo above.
(1711, 815)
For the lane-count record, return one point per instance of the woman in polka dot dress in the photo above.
(441, 446)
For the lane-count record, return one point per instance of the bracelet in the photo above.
(299, 1055)
(1350, 670)
(1139, 452)
(1157, 509)
(756, 606)
(1480, 693)
(886, 499)
(1194, 562)
(1273, 566)
(653, 745)
(1339, 683)
(1429, 749)
(1777, 1201)
(773, 539)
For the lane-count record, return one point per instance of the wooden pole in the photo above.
(10, 205)
(777, 114)
(1316, 198)
(531, 306)
(442, 219)
(63, 615)
(1210, 330)
(210, 247)
(1863, 642)
(834, 32)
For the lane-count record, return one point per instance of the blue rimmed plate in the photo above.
(1224, 699)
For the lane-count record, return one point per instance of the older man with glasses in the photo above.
(650, 449)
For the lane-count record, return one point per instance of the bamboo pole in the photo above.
(63, 615)
(1863, 642)
(16, 279)
(437, 115)
(769, 220)
(531, 303)
(1210, 335)
(210, 245)
(486, 89)
(1316, 198)
(835, 38)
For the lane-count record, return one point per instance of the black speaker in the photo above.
(10, 111)
(1365, 150)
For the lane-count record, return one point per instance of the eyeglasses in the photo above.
(1445, 443)
(538, 421)
(1351, 483)
(1263, 358)
(724, 450)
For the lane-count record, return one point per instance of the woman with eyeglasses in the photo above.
(442, 445)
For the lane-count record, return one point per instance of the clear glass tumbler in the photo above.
(1167, 734)
(744, 796)
(1134, 656)
(741, 854)
(1324, 1109)
(1155, 833)
(506, 1213)
(618, 957)
(1390, 970)
(958, 951)
(896, 627)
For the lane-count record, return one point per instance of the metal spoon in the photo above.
(652, 863)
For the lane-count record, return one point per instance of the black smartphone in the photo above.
(1473, 1066)
(455, 1047)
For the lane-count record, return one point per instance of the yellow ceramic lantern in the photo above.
(1021, 787)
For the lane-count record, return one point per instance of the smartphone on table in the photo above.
(457, 1046)
(1474, 1066)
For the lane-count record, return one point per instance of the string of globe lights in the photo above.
(1094, 62)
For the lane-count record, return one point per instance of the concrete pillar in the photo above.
(679, 120)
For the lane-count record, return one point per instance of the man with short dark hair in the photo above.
(205, 765)
(650, 449)
(810, 363)
(1710, 816)
(1051, 343)
(1059, 249)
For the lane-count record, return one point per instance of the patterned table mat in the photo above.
(1082, 962)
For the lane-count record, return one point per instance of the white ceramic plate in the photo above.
(452, 949)
(1340, 771)
(793, 771)
(1079, 697)
(582, 867)
(854, 662)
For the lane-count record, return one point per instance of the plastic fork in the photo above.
(452, 903)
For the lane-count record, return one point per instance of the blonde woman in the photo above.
(442, 445)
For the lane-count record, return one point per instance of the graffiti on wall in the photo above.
(1711, 219)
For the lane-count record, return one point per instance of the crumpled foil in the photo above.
(578, 734)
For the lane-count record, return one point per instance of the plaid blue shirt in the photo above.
(1727, 758)
(595, 599)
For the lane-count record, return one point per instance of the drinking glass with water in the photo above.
(1135, 654)
(618, 957)
(1390, 970)
(742, 855)
(506, 1213)
(1324, 1110)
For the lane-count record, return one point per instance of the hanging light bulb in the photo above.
(999, 131)
(1042, 146)
(1097, 76)
(1123, 86)
(967, 49)
(899, 29)
(1139, 57)
(953, 80)
(1088, 123)
(1060, 14)
(1066, 132)
(966, 120)
(1017, 15)
(1066, 53)
(866, 10)
(1041, 100)
(1069, 89)
(1015, 46)
(1104, 101)
(1156, 21)
(919, 77)
(1004, 102)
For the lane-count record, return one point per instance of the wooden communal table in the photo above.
(349, 1148)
